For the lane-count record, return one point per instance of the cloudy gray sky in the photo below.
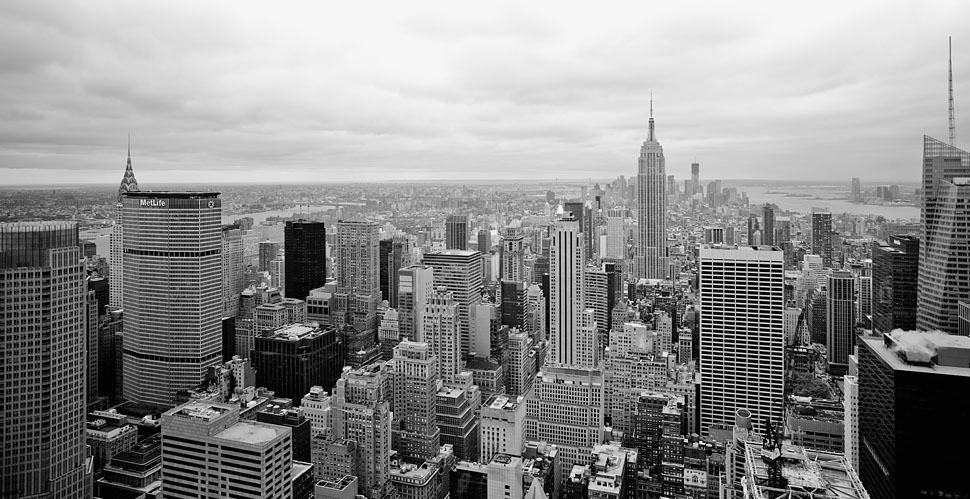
(321, 91)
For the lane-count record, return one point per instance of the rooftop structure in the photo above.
(805, 474)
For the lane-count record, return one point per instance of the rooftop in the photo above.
(172, 194)
(501, 401)
(933, 352)
(201, 410)
(250, 432)
(807, 473)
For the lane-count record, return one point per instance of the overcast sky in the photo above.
(321, 91)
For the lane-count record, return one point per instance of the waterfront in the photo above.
(801, 199)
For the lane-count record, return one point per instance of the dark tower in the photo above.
(306, 257)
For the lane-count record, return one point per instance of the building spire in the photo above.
(953, 128)
(651, 137)
(128, 182)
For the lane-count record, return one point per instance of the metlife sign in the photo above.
(152, 203)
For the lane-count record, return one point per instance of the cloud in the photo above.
(312, 92)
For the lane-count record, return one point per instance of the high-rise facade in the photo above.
(116, 260)
(840, 320)
(566, 294)
(902, 385)
(207, 451)
(513, 254)
(566, 409)
(232, 269)
(822, 236)
(415, 285)
(695, 180)
(615, 234)
(268, 251)
(415, 370)
(768, 225)
(442, 323)
(856, 190)
(42, 371)
(944, 253)
(305, 243)
(293, 358)
(398, 257)
(361, 415)
(173, 296)
(460, 271)
(456, 232)
(651, 209)
(895, 266)
(742, 333)
(358, 274)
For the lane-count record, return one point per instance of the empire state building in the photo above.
(651, 261)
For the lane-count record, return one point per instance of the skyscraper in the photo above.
(361, 414)
(840, 320)
(484, 241)
(357, 273)
(856, 190)
(768, 225)
(42, 371)
(116, 260)
(260, 452)
(822, 236)
(742, 333)
(232, 269)
(513, 253)
(651, 209)
(566, 294)
(415, 284)
(441, 329)
(305, 243)
(293, 358)
(695, 171)
(173, 296)
(456, 232)
(615, 234)
(944, 252)
(416, 434)
(895, 266)
(907, 381)
(268, 250)
(460, 271)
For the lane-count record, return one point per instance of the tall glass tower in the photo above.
(651, 209)
(172, 291)
(944, 250)
(305, 242)
(42, 367)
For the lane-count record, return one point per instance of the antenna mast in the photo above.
(953, 128)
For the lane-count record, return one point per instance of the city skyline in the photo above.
(507, 91)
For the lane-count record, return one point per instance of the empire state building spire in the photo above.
(128, 182)
(651, 137)
(651, 260)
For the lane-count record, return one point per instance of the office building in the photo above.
(695, 170)
(535, 313)
(316, 407)
(459, 271)
(358, 274)
(742, 333)
(268, 251)
(43, 338)
(850, 402)
(456, 232)
(768, 225)
(361, 416)
(415, 431)
(521, 363)
(651, 248)
(484, 241)
(566, 410)
(581, 212)
(306, 257)
(822, 236)
(615, 234)
(457, 406)
(502, 427)
(232, 269)
(840, 320)
(397, 257)
(291, 359)
(944, 253)
(389, 332)
(442, 323)
(856, 195)
(173, 296)
(415, 285)
(116, 241)
(908, 381)
(513, 303)
(137, 471)
(108, 433)
(207, 451)
(566, 294)
(513, 253)
(596, 295)
(280, 412)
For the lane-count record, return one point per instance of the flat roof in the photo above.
(250, 432)
(891, 358)
(172, 194)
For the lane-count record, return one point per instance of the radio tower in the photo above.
(953, 127)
